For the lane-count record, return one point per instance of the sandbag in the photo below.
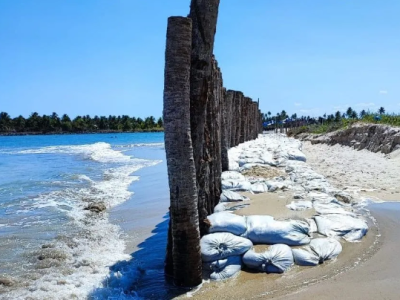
(259, 187)
(277, 259)
(237, 185)
(266, 230)
(231, 196)
(250, 160)
(322, 198)
(232, 175)
(331, 208)
(268, 159)
(313, 225)
(220, 245)
(296, 154)
(319, 250)
(226, 222)
(349, 227)
(223, 269)
(300, 205)
(221, 207)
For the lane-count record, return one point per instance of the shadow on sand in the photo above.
(142, 277)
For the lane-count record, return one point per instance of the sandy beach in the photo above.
(365, 269)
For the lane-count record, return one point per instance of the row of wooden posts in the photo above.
(202, 120)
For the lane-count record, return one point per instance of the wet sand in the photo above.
(376, 278)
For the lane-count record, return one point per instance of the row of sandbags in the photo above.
(224, 254)
(235, 181)
(264, 229)
(274, 151)
(261, 229)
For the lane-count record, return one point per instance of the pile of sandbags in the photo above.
(229, 243)
(221, 254)
(232, 180)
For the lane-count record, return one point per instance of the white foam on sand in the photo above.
(100, 152)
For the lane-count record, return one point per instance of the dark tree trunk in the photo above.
(184, 226)
(204, 15)
(225, 130)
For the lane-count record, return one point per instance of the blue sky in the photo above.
(102, 57)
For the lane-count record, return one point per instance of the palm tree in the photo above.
(183, 252)
(5, 121)
(363, 113)
(349, 112)
(337, 116)
(354, 114)
(381, 110)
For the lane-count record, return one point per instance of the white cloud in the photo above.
(366, 104)
(313, 112)
(383, 92)
(297, 104)
(341, 108)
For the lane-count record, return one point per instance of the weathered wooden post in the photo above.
(183, 253)
(226, 128)
(204, 15)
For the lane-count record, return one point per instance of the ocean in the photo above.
(53, 247)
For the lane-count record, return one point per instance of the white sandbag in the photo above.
(232, 175)
(237, 185)
(259, 187)
(266, 230)
(249, 166)
(220, 245)
(250, 160)
(221, 207)
(313, 225)
(322, 198)
(226, 222)
(224, 268)
(231, 196)
(317, 252)
(300, 205)
(331, 208)
(349, 227)
(233, 165)
(296, 154)
(277, 259)
(268, 159)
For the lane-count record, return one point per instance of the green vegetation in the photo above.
(36, 124)
(328, 123)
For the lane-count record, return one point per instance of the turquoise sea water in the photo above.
(51, 246)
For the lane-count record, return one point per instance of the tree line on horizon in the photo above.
(350, 114)
(64, 124)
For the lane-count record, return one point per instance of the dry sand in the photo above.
(375, 175)
(364, 270)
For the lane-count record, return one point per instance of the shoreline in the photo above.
(155, 130)
(300, 281)
(374, 278)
